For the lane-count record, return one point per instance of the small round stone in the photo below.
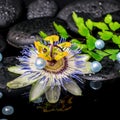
(1, 95)
(118, 57)
(10, 12)
(40, 63)
(96, 66)
(1, 57)
(96, 85)
(7, 110)
(42, 8)
(99, 44)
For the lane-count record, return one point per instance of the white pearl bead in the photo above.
(99, 44)
(40, 63)
(7, 110)
(1, 94)
(118, 57)
(1, 57)
(96, 66)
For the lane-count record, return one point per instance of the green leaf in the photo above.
(61, 30)
(101, 25)
(89, 24)
(101, 53)
(105, 35)
(108, 19)
(91, 42)
(43, 34)
(113, 57)
(83, 30)
(75, 41)
(111, 51)
(116, 39)
(114, 26)
(77, 20)
(95, 55)
(119, 46)
(77, 44)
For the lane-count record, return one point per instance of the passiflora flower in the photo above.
(50, 65)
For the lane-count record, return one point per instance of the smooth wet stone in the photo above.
(10, 12)
(26, 32)
(42, 8)
(86, 16)
(73, 28)
(2, 44)
(115, 15)
(96, 7)
(109, 71)
(6, 76)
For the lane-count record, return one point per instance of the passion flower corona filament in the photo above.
(50, 65)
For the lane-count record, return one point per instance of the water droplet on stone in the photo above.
(100, 3)
(96, 85)
(17, 38)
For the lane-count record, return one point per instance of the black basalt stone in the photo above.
(96, 7)
(85, 16)
(10, 12)
(26, 32)
(41, 8)
(109, 71)
(2, 44)
(6, 76)
(71, 23)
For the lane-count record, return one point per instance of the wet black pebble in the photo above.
(73, 28)
(26, 32)
(2, 44)
(10, 12)
(109, 71)
(71, 23)
(96, 7)
(6, 76)
(41, 8)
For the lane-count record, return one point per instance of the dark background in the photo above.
(94, 104)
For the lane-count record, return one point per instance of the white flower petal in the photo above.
(86, 69)
(83, 57)
(39, 89)
(53, 94)
(21, 81)
(72, 87)
(16, 69)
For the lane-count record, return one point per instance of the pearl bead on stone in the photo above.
(99, 44)
(7, 110)
(118, 57)
(40, 63)
(96, 66)
(96, 85)
(1, 57)
(1, 95)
